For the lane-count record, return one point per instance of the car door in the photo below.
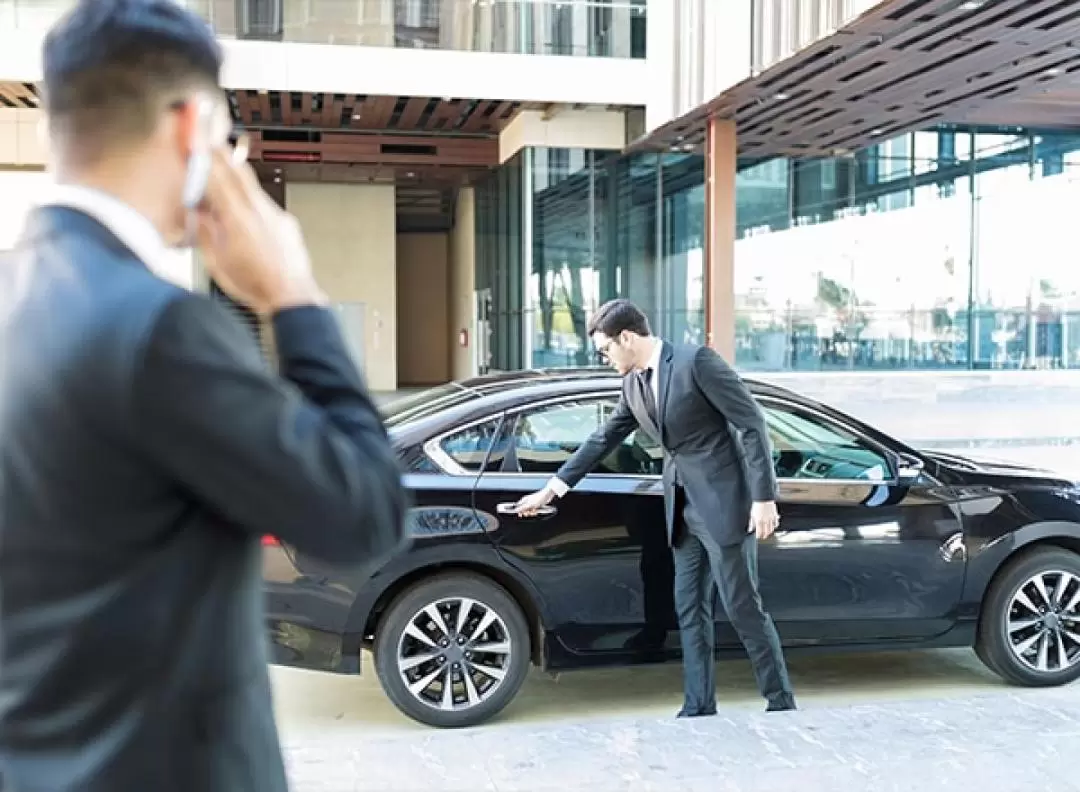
(600, 557)
(861, 554)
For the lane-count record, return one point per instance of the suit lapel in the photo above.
(664, 384)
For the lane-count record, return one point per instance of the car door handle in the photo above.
(509, 508)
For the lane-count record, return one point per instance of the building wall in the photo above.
(22, 138)
(350, 232)
(423, 309)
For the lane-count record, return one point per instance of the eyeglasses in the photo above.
(602, 351)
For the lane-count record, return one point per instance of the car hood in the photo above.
(1000, 469)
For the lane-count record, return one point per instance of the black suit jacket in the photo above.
(701, 401)
(145, 448)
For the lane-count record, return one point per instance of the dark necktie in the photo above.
(647, 395)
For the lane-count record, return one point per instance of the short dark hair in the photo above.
(617, 315)
(111, 67)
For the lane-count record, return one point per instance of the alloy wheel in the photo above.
(454, 653)
(1043, 621)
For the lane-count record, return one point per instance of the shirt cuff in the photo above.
(558, 486)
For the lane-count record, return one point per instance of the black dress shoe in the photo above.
(781, 703)
(685, 713)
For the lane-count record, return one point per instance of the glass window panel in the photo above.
(470, 447)
(810, 447)
(546, 438)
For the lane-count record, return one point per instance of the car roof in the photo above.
(437, 409)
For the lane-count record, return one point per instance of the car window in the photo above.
(469, 447)
(545, 438)
(806, 446)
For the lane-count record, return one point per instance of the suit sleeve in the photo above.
(599, 444)
(303, 457)
(731, 398)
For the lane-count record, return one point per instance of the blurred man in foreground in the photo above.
(144, 446)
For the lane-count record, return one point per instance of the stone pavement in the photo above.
(1013, 740)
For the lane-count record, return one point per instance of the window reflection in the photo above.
(940, 249)
(606, 226)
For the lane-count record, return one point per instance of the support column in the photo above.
(720, 165)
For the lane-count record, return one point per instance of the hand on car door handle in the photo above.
(511, 508)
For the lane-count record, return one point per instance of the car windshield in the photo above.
(424, 403)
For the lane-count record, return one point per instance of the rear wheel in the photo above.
(453, 650)
(1029, 629)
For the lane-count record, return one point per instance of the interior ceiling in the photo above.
(902, 66)
(427, 146)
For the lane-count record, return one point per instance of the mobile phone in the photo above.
(198, 168)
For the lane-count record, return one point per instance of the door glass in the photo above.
(470, 447)
(809, 447)
(546, 438)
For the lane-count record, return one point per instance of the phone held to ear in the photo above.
(201, 159)
(198, 170)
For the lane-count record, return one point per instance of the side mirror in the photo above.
(908, 468)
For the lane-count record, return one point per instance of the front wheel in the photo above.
(1029, 629)
(452, 651)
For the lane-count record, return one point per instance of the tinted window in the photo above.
(546, 438)
(806, 446)
(470, 447)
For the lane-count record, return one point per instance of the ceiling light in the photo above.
(973, 5)
(1052, 72)
(781, 96)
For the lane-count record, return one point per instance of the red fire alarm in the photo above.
(463, 338)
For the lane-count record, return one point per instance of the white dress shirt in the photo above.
(556, 484)
(130, 227)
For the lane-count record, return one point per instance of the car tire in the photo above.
(485, 682)
(995, 644)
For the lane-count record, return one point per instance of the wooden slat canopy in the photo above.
(902, 66)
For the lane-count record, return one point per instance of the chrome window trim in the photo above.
(442, 460)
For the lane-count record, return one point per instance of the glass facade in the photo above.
(941, 249)
(595, 28)
(591, 225)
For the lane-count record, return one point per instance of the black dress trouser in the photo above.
(703, 566)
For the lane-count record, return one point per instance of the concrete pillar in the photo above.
(720, 165)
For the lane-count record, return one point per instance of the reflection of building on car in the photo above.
(881, 546)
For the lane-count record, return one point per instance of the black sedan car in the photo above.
(881, 546)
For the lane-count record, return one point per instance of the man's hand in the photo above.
(253, 249)
(764, 519)
(530, 505)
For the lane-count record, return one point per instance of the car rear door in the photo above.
(599, 557)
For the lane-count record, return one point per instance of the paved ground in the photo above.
(904, 721)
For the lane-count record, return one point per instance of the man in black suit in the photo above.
(145, 446)
(719, 500)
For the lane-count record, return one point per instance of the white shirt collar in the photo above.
(128, 225)
(654, 358)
